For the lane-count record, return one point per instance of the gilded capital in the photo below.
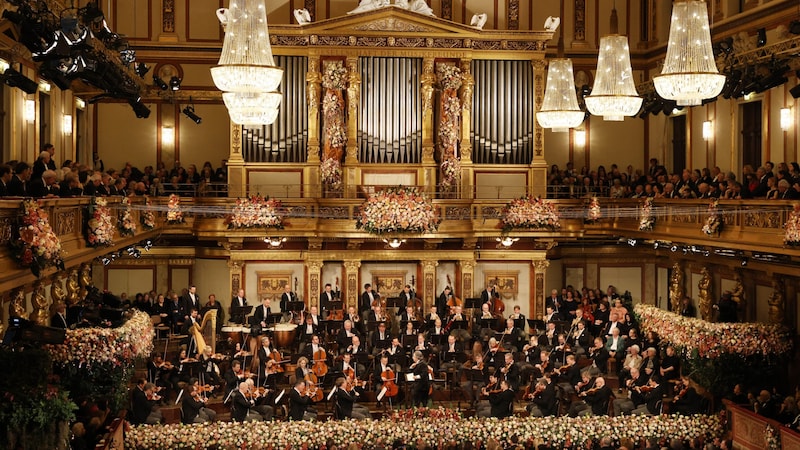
(467, 265)
(541, 265)
(314, 265)
(429, 266)
(351, 266)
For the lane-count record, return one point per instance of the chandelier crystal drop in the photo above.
(560, 110)
(246, 72)
(690, 72)
(614, 93)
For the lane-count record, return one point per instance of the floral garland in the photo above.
(35, 244)
(561, 432)
(646, 219)
(711, 340)
(118, 346)
(334, 76)
(174, 212)
(713, 223)
(256, 212)
(450, 80)
(792, 235)
(594, 213)
(331, 172)
(334, 80)
(772, 438)
(146, 216)
(126, 224)
(398, 209)
(527, 212)
(100, 228)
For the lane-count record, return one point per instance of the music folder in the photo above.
(280, 396)
(333, 391)
(410, 377)
(381, 393)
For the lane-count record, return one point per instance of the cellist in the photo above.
(306, 332)
(384, 375)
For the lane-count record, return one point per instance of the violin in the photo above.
(350, 374)
(256, 392)
(388, 382)
(205, 388)
(320, 367)
(531, 395)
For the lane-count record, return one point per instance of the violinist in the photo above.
(419, 369)
(260, 409)
(512, 336)
(599, 355)
(181, 371)
(194, 408)
(687, 401)
(306, 332)
(635, 398)
(596, 398)
(241, 404)
(569, 375)
(542, 364)
(158, 373)
(559, 354)
(234, 376)
(493, 358)
(381, 339)
(210, 373)
(145, 404)
(500, 402)
(670, 365)
(510, 372)
(345, 336)
(346, 397)
(542, 399)
(301, 405)
(583, 388)
(476, 374)
(652, 398)
(238, 352)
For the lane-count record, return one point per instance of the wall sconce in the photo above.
(786, 118)
(579, 138)
(394, 242)
(29, 112)
(167, 136)
(44, 86)
(708, 130)
(67, 124)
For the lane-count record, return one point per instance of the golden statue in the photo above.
(738, 292)
(676, 292)
(85, 279)
(704, 294)
(39, 303)
(73, 288)
(57, 294)
(776, 307)
(17, 306)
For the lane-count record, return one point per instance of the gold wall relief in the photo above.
(270, 285)
(676, 290)
(513, 14)
(776, 301)
(352, 289)
(313, 268)
(168, 16)
(537, 302)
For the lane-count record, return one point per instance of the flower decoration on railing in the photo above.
(99, 228)
(530, 212)
(443, 432)
(334, 81)
(34, 243)
(400, 209)
(146, 216)
(646, 219)
(711, 340)
(594, 213)
(772, 438)
(125, 222)
(256, 212)
(713, 223)
(174, 211)
(96, 345)
(450, 80)
(792, 233)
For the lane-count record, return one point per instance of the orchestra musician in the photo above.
(542, 399)
(261, 409)
(406, 297)
(450, 355)
(670, 365)
(509, 372)
(579, 405)
(194, 408)
(441, 302)
(569, 375)
(500, 401)
(234, 376)
(380, 369)
(212, 303)
(431, 318)
(437, 329)
(512, 337)
(210, 372)
(367, 298)
(686, 401)
(287, 297)
(355, 348)
(599, 355)
(549, 338)
(409, 329)
(261, 314)
(345, 336)
(409, 315)
(422, 381)
(158, 373)
(381, 339)
(306, 332)
(301, 405)
(454, 324)
(487, 295)
(354, 318)
(476, 374)
(313, 312)
(326, 297)
(313, 348)
(239, 299)
(580, 338)
(595, 399)
(346, 404)
(492, 359)
(652, 397)
(348, 365)
(241, 405)
(376, 314)
(266, 354)
(635, 398)
(189, 340)
(145, 408)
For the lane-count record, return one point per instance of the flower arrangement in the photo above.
(646, 219)
(174, 212)
(334, 76)
(118, 346)
(331, 172)
(400, 209)
(711, 340)
(527, 212)
(594, 213)
(146, 216)
(126, 224)
(35, 244)
(256, 212)
(772, 438)
(443, 432)
(713, 223)
(451, 172)
(792, 233)
(335, 132)
(450, 80)
(100, 228)
(449, 76)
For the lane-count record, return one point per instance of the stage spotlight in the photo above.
(723, 47)
(161, 84)
(13, 78)
(762, 37)
(175, 83)
(139, 108)
(744, 262)
(142, 69)
(189, 112)
(794, 27)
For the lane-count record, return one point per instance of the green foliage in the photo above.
(100, 381)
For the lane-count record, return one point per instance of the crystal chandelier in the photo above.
(560, 110)
(690, 73)
(246, 71)
(614, 94)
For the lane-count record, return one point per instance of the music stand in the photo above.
(438, 339)
(295, 306)
(403, 324)
(536, 324)
(409, 341)
(394, 302)
(487, 323)
(519, 323)
(238, 313)
(473, 303)
(274, 318)
(373, 325)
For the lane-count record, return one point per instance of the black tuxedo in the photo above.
(38, 188)
(405, 298)
(59, 321)
(298, 403)
(261, 314)
(240, 406)
(343, 340)
(546, 400)
(366, 302)
(17, 187)
(303, 334)
(345, 401)
(598, 401)
(190, 408)
(285, 299)
(238, 301)
(421, 384)
(325, 298)
(554, 303)
(512, 377)
(141, 406)
(189, 303)
(501, 403)
(406, 318)
(377, 342)
(3, 189)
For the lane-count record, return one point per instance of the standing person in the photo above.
(367, 297)
(191, 301)
(421, 380)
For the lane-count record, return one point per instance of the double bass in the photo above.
(336, 314)
(498, 307)
(453, 301)
(415, 301)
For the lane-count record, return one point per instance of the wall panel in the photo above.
(124, 138)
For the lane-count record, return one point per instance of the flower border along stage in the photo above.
(400, 209)
(121, 345)
(256, 212)
(440, 432)
(530, 212)
(712, 340)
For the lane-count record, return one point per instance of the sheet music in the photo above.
(333, 391)
(280, 396)
(179, 397)
(410, 376)
(381, 393)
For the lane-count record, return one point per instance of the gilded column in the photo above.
(351, 275)
(313, 90)
(467, 278)
(353, 100)
(537, 302)
(467, 85)
(538, 174)
(40, 315)
(313, 273)
(428, 81)
(236, 171)
(428, 283)
(236, 268)
(513, 14)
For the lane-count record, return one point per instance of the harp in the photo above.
(206, 332)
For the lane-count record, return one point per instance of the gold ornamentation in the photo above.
(57, 294)
(676, 292)
(705, 295)
(168, 16)
(469, 243)
(236, 138)
(447, 9)
(580, 20)
(65, 221)
(513, 14)
(351, 270)
(776, 306)
(334, 212)
(738, 295)
(315, 244)
(457, 213)
(393, 24)
(541, 265)
(40, 314)
(506, 283)
(271, 284)
(762, 219)
(73, 288)
(17, 306)
(6, 226)
(86, 279)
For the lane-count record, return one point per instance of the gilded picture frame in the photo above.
(388, 283)
(507, 282)
(271, 284)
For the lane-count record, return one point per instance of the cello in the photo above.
(388, 382)
(316, 393)
(320, 367)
